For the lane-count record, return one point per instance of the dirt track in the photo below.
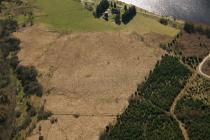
(87, 77)
(201, 65)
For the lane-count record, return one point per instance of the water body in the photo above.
(192, 10)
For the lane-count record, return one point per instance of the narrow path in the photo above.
(172, 111)
(173, 108)
(183, 93)
(201, 65)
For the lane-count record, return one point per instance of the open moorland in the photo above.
(87, 77)
(192, 45)
(83, 77)
(88, 67)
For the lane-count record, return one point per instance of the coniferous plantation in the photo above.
(143, 120)
(146, 116)
(165, 82)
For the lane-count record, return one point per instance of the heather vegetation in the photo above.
(195, 115)
(194, 109)
(192, 44)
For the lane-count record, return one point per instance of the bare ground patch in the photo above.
(87, 77)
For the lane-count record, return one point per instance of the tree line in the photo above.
(15, 79)
(192, 28)
(129, 14)
(9, 48)
(126, 17)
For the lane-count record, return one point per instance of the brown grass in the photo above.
(91, 75)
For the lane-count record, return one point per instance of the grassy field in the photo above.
(144, 24)
(71, 16)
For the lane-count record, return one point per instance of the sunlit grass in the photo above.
(70, 15)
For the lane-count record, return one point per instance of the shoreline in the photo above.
(157, 15)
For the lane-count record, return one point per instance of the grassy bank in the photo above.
(143, 24)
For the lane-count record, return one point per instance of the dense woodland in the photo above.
(146, 117)
(142, 120)
(165, 82)
(8, 87)
(8, 91)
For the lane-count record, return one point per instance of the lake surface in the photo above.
(193, 10)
